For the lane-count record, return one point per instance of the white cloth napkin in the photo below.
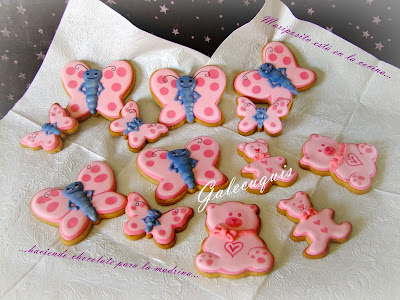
(348, 102)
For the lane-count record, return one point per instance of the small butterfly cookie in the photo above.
(134, 130)
(263, 169)
(279, 77)
(52, 133)
(80, 204)
(315, 227)
(184, 170)
(94, 91)
(254, 118)
(186, 98)
(162, 227)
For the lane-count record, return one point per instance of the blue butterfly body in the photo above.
(183, 164)
(151, 219)
(260, 116)
(188, 96)
(51, 129)
(92, 88)
(277, 77)
(133, 125)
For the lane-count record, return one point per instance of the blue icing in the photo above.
(183, 164)
(260, 116)
(151, 219)
(51, 129)
(133, 125)
(277, 77)
(92, 88)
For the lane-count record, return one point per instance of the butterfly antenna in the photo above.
(113, 68)
(48, 193)
(245, 75)
(154, 152)
(249, 104)
(165, 80)
(265, 52)
(77, 66)
(207, 75)
(199, 142)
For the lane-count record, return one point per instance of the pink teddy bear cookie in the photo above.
(316, 227)
(233, 248)
(350, 165)
(263, 169)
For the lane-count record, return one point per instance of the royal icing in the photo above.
(354, 164)
(49, 138)
(265, 169)
(279, 77)
(187, 98)
(154, 163)
(51, 206)
(233, 246)
(97, 91)
(253, 117)
(317, 226)
(136, 132)
(145, 220)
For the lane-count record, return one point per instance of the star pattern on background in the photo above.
(207, 39)
(220, 1)
(366, 34)
(20, 9)
(329, 28)
(21, 76)
(175, 31)
(369, 2)
(379, 46)
(376, 20)
(164, 9)
(40, 55)
(40, 30)
(310, 11)
(10, 97)
(5, 32)
(246, 2)
(110, 2)
(5, 57)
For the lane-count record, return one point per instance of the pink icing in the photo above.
(351, 163)
(318, 226)
(204, 149)
(211, 82)
(118, 78)
(169, 221)
(147, 132)
(273, 125)
(50, 205)
(233, 246)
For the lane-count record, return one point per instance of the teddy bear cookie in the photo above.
(255, 118)
(150, 222)
(179, 171)
(279, 77)
(263, 169)
(316, 227)
(350, 165)
(132, 128)
(233, 248)
(80, 204)
(189, 98)
(94, 91)
(50, 138)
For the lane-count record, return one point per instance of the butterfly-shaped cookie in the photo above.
(148, 222)
(183, 170)
(278, 77)
(186, 98)
(134, 130)
(52, 133)
(81, 204)
(254, 118)
(95, 91)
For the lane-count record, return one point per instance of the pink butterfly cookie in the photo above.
(134, 130)
(52, 133)
(162, 227)
(350, 165)
(184, 170)
(81, 204)
(233, 248)
(186, 98)
(254, 118)
(316, 227)
(94, 91)
(263, 169)
(279, 77)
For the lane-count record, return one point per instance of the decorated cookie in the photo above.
(132, 128)
(94, 91)
(162, 227)
(278, 77)
(184, 170)
(350, 165)
(254, 118)
(263, 169)
(233, 248)
(80, 204)
(186, 98)
(52, 133)
(316, 227)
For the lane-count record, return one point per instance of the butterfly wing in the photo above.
(206, 151)
(97, 176)
(245, 110)
(118, 80)
(250, 84)
(277, 111)
(58, 115)
(72, 79)
(280, 56)
(136, 210)
(128, 112)
(154, 164)
(163, 88)
(171, 222)
(210, 84)
(149, 132)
